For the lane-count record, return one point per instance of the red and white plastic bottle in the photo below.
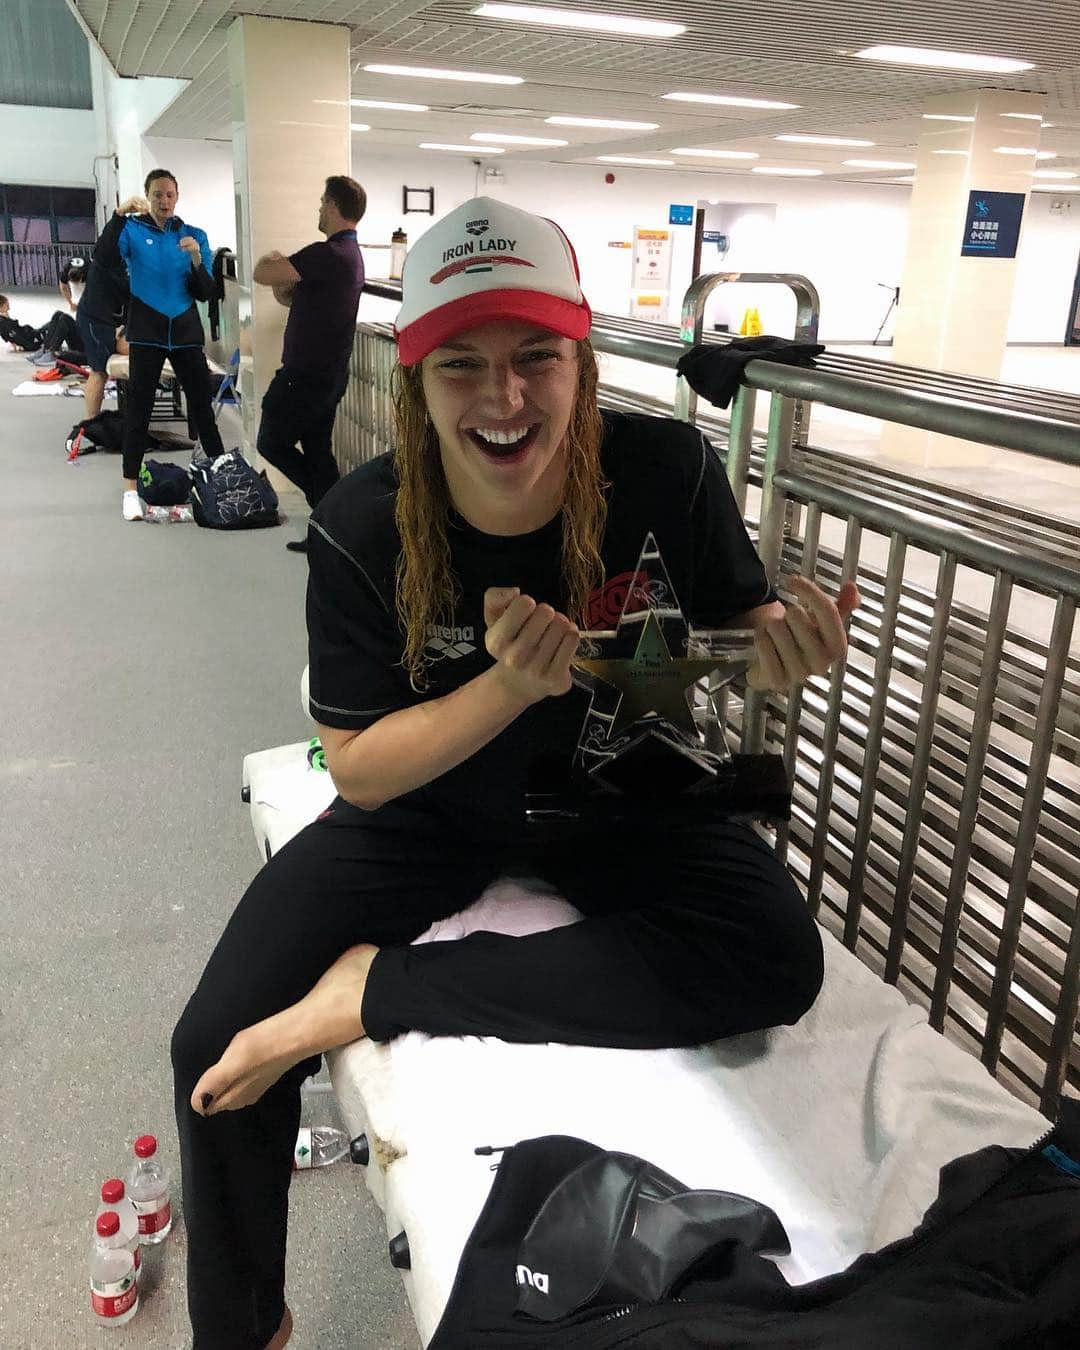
(114, 1289)
(148, 1190)
(114, 1200)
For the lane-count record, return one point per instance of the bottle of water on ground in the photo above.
(165, 515)
(114, 1200)
(114, 1289)
(318, 1146)
(148, 1189)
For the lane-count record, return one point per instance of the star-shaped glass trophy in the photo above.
(654, 730)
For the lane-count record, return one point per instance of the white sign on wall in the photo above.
(650, 280)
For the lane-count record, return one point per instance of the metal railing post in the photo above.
(692, 325)
(770, 546)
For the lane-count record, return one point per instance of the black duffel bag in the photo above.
(228, 494)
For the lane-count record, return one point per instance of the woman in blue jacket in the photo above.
(169, 267)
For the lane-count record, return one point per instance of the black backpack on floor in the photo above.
(103, 432)
(228, 494)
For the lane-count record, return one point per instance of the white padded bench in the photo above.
(840, 1123)
(168, 407)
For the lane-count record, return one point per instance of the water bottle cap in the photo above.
(112, 1191)
(145, 1146)
(108, 1223)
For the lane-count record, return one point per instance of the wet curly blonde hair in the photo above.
(426, 588)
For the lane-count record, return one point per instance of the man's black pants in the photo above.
(144, 364)
(692, 933)
(299, 408)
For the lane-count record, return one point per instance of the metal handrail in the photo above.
(23, 264)
(807, 316)
(807, 300)
(935, 795)
(1044, 436)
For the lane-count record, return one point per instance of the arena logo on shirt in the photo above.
(447, 643)
(626, 593)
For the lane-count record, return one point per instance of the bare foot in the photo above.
(284, 1332)
(257, 1057)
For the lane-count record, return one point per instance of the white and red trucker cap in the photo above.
(487, 260)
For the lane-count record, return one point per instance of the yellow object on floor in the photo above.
(751, 324)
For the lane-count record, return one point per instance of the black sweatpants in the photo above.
(145, 363)
(691, 934)
(299, 408)
(60, 332)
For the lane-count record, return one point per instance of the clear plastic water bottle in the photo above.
(165, 515)
(148, 1187)
(114, 1200)
(318, 1146)
(114, 1290)
(399, 246)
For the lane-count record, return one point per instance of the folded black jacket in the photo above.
(715, 371)
(994, 1265)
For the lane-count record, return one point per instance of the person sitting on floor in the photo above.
(19, 336)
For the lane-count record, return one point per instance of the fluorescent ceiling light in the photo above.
(877, 164)
(946, 117)
(383, 103)
(359, 126)
(717, 154)
(790, 173)
(820, 140)
(1024, 150)
(965, 153)
(467, 149)
(941, 60)
(601, 122)
(728, 100)
(1054, 187)
(427, 73)
(630, 159)
(895, 180)
(1054, 173)
(499, 137)
(1025, 117)
(572, 18)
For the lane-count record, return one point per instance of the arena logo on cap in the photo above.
(478, 255)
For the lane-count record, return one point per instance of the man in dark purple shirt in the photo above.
(321, 285)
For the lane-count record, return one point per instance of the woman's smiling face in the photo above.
(500, 397)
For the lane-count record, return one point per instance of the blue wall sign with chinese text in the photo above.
(680, 215)
(992, 225)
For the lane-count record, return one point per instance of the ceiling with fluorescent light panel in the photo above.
(772, 50)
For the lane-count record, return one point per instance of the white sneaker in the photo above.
(133, 507)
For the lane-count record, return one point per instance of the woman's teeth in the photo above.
(502, 437)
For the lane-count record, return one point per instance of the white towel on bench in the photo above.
(840, 1123)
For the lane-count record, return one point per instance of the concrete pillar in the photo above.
(290, 110)
(957, 285)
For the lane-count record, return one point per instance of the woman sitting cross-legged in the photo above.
(448, 584)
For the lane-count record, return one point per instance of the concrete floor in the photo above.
(140, 664)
